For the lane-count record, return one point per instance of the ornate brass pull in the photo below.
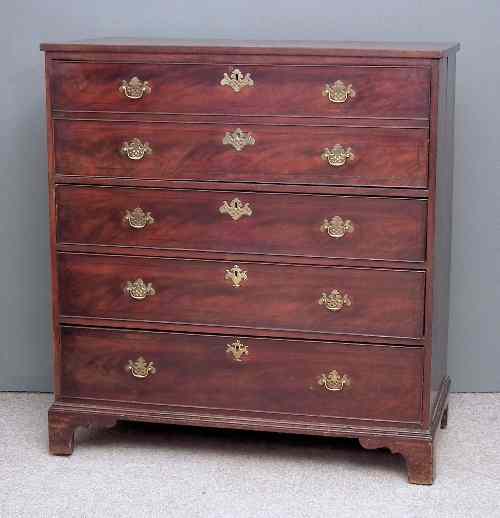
(339, 92)
(137, 218)
(337, 227)
(135, 88)
(238, 139)
(338, 156)
(334, 381)
(335, 301)
(140, 368)
(135, 149)
(236, 275)
(237, 350)
(139, 290)
(236, 209)
(236, 80)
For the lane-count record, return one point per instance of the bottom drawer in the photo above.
(251, 374)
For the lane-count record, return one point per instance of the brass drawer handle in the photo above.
(334, 382)
(236, 209)
(237, 81)
(135, 88)
(337, 156)
(335, 301)
(140, 368)
(139, 290)
(238, 139)
(337, 227)
(137, 218)
(236, 275)
(135, 149)
(339, 92)
(237, 350)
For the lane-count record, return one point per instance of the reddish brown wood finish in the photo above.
(275, 297)
(113, 47)
(279, 376)
(419, 456)
(382, 156)
(270, 120)
(254, 331)
(277, 90)
(418, 452)
(244, 186)
(104, 413)
(405, 95)
(280, 224)
(62, 426)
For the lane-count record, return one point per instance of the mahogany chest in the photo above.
(252, 236)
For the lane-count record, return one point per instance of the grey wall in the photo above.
(25, 350)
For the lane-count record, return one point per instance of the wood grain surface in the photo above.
(386, 157)
(278, 90)
(280, 224)
(279, 297)
(275, 376)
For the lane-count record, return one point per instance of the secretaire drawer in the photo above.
(251, 374)
(353, 227)
(291, 154)
(278, 297)
(331, 91)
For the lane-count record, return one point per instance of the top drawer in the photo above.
(387, 92)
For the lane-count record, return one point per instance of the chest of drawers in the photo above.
(252, 236)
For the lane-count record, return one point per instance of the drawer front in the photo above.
(387, 157)
(243, 222)
(249, 295)
(387, 92)
(263, 375)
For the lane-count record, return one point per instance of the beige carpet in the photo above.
(141, 470)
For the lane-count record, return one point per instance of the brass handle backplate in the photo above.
(236, 209)
(339, 92)
(238, 139)
(337, 227)
(139, 290)
(335, 301)
(137, 218)
(135, 88)
(334, 382)
(237, 350)
(236, 275)
(337, 156)
(140, 368)
(236, 80)
(135, 149)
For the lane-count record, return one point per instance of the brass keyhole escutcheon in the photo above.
(237, 350)
(236, 275)
(236, 209)
(236, 80)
